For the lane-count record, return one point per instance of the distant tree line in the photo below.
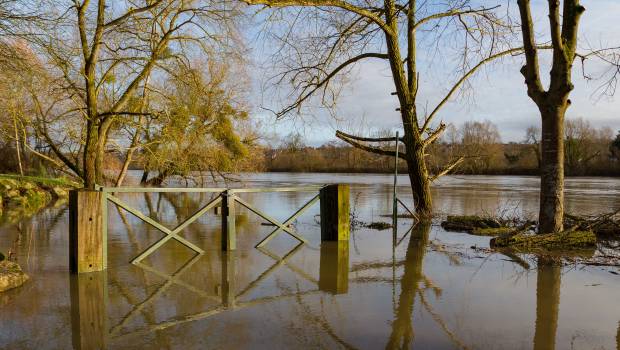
(589, 151)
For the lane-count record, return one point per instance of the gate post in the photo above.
(229, 235)
(335, 225)
(86, 234)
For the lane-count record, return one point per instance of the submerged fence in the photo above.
(88, 218)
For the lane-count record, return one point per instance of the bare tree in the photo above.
(554, 101)
(317, 58)
(481, 145)
(532, 137)
(100, 53)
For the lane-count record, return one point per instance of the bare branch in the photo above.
(448, 168)
(369, 139)
(132, 12)
(326, 3)
(367, 148)
(327, 78)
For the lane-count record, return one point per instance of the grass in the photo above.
(49, 181)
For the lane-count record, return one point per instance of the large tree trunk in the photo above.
(90, 156)
(551, 212)
(420, 182)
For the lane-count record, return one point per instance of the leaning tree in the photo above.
(321, 41)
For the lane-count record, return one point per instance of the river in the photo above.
(428, 289)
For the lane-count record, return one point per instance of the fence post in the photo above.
(229, 234)
(86, 231)
(335, 221)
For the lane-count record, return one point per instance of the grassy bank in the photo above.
(24, 195)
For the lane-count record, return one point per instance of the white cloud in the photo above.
(500, 94)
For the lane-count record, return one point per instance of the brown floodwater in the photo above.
(426, 289)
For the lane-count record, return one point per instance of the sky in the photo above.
(499, 93)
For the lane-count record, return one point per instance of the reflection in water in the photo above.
(548, 282)
(228, 278)
(377, 294)
(402, 327)
(89, 294)
(334, 267)
(415, 283)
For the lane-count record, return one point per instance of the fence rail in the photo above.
(89, 213)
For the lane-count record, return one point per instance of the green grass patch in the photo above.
(49, 181)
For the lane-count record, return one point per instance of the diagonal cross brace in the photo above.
(289, 265)
(169, 233)
(270, 269)
(288, 221)
(280, 225)
(170, 280)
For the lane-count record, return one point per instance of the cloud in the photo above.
(499, 93)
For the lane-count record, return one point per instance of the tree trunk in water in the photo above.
(145, 176)
(552, 170)
(420, 183)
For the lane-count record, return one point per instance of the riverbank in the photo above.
(25, 195)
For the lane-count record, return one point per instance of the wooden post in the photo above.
(228, 279)
(334, 267)
(86, 233)
(229, 235)
(335, 224)
(88, 310)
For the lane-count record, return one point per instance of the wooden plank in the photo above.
(197, 215)
(169, 233)
(161, 190)
(288, 221)
(272, 220)
(208, 190)
(86, 238)
(335, 221)
(276, 189)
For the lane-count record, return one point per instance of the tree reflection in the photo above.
(548, 282)
(402, 327)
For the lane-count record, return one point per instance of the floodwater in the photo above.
(426, 289)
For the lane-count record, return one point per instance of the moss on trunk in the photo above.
(493, 231)
(469, 223)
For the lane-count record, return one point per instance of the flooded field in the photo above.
(426, 289)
